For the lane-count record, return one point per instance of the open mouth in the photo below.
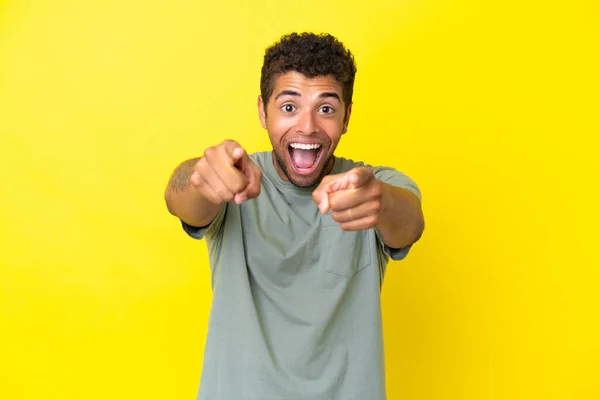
(305, 157)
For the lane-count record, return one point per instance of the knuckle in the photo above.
(228, 144)
(376, 207)
(334, 202)
(209, 152)
(225, 195)
(378, 191)
(195, 180)
(200, 167)
(326, 180)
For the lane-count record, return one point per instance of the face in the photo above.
(305, 119)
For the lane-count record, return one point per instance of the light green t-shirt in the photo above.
(296, 301)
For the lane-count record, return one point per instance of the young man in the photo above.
(298, 239)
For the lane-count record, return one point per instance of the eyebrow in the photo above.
(288, 93)
(329, 94)
(323, 95)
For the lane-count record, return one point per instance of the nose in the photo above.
(307, 124)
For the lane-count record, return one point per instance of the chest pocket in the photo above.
(346, 253)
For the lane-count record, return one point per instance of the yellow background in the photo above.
(491, 106)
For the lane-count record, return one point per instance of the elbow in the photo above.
(169, 202)
(419, 229)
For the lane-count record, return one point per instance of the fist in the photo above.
(355, 198)
(226, 173)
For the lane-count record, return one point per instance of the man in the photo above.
(298, 239)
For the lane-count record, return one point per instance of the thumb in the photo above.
(321, 194)
(322, 200)
(252, 190)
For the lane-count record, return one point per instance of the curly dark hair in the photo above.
(311, 55)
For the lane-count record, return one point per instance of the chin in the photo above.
(304, 181)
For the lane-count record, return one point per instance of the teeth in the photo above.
(303, 146)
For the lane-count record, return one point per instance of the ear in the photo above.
(262, 115)
(347, 118)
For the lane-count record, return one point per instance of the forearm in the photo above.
(401, 220)
(186, 202)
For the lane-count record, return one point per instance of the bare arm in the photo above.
(185, 201)
(401, 221)
(360, 201)
(198, 187)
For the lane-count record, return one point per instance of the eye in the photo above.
(326, 110)
(288, 108)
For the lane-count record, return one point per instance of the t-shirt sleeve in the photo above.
(208, 230)
(400, 180)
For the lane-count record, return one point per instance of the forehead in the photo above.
(296, 81)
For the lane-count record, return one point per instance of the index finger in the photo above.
(329, 184)
(233, 150)
(224, 167)
(252, 190)
(359, 177)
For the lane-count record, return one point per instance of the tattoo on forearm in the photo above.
(180, 179)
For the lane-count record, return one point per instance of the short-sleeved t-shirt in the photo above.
(296, 301)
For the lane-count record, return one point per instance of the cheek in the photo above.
(334, 130)
(278, 127)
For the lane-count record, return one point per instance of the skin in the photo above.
(300, 110)
(198, 187)
(304, 110)
(359, 201)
